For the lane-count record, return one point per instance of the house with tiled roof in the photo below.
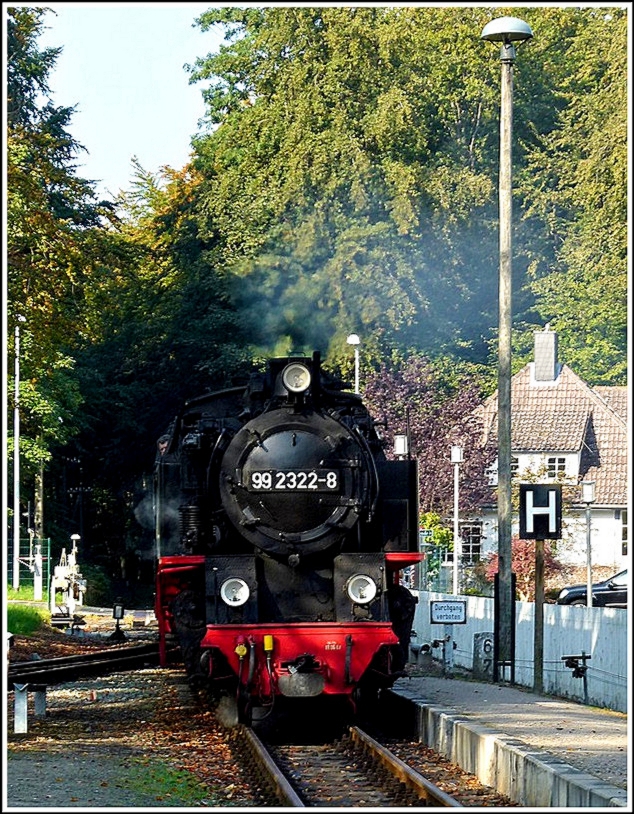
(563, 430)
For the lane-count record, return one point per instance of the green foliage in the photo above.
(442, 535)
(350, 179)
(99, 590)
(23, 620)
(523, 566)
(346, 182)
(436, 546)
(576, 184)
(52, 241)
(340, 181)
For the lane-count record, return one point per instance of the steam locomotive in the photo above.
(281, 531)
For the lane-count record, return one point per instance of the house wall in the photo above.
(606, 530)
(568, 630)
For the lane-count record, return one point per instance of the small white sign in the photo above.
(448, 612)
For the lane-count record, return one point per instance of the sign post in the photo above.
(540, 519)
(448, 612)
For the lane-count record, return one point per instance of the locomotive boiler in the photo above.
(281, 532)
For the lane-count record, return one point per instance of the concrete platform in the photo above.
(540, 751)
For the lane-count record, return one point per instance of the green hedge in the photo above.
(24, 620)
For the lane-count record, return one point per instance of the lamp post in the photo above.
(354, 340)
(587, 497)
(456, 460)
(16, 459)
(505, 30)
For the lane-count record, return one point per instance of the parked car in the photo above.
(611, 593)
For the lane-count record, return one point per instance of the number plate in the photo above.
(292, 480)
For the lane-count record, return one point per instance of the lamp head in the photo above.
(353, 339)
(506, 30)
(401, 447)
(587, 491)
(456, 455)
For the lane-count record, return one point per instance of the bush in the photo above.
(99, 590)
(24, 620)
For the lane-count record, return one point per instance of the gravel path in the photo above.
(125, 740)
(81, 777)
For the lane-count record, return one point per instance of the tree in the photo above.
(345, 178)
(438, 409)
(523, 566)
(576, 183)
(160, 331)
(350, 178)
(52, 217)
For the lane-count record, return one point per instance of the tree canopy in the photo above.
(345, 181)
(350, 176)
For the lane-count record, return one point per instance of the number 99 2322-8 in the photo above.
(314, 480)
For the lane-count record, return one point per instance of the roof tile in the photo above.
(569, 416)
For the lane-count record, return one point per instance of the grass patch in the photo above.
(24, 621)
(168, 786)
(25, 593)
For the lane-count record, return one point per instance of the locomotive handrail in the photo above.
(370, 458)
(172, 568)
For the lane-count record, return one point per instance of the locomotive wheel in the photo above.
(366, 697)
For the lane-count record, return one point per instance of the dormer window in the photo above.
(556, 467)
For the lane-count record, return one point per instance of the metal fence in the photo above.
(599, 633)
(27, 565)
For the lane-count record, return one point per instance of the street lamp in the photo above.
(354, 340)
(456, 460)
(587, 497)
(16, 459)
(401, 446)
(505, 30)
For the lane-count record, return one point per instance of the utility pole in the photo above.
(16, 460)
(506, 31)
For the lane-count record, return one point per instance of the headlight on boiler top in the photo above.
(234, 592)
(296, 378)
(361, 589)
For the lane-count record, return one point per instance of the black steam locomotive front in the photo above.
(275, 506)
(287, 465)
(294, 481)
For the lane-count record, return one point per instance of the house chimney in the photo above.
(546, 355)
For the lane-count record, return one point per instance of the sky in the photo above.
(122, 67)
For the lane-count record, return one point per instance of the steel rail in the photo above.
(78, 658)
(427, 790)
(282, 788)
(66, 668)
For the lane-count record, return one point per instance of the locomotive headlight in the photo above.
(234, 592)
(296, 378)
(361, 589)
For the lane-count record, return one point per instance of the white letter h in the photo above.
(550, 510)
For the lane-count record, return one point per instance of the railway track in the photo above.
(355, 771)
(70, 668)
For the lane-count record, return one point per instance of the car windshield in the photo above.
(620, 579)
